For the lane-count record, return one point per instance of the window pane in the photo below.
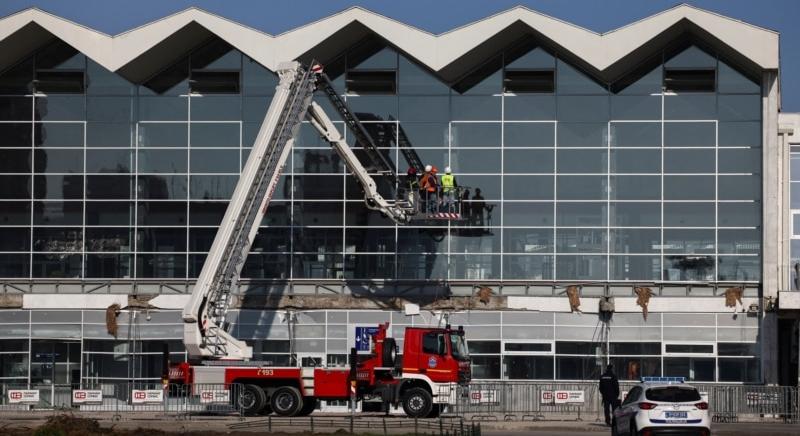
(527, 161)
(578, 368)
(572, 81)
(57, 212)
(528, 214)
(735, 268)
(58, 135)
(570, 267)
(475, 135)
(215, 134)
(739, 214)
(527, 240)
(109, 187)
(689, 187)
(581, 187)
(529, 135)
(528, 367)
(634, 368)
(583, 108)
(581, 241)
(689, 214)
(689, 241)
(687, 106)
(108, 239)
(690, 135)
(529, 107)
(636, 107)
(527, 267)
(683, 160)
(214, 161)
(635, 240)
(162, 161)
(109, 161)
(688, 268)
(162, 187)
(163, 135)
(582, 161)
(635, 187)
(582, 134)
(635, 135)
(581, 214)
(528, 187)
(635, 268)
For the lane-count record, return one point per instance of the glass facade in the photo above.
(63, 347)
(574, 180)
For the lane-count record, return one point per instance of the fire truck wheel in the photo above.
(436, 410)
(389, 353)
(286, 401)
(417, 403)
(252, 400)
(309, 404)
(267, 409)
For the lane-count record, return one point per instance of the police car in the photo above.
(662, 405)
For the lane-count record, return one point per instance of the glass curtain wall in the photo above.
(63, 347)
(568, 179)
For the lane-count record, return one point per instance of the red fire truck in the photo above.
(435, 363)
(435, 360)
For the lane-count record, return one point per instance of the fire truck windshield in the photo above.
(458, 347)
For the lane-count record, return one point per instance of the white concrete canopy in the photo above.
(599, 52)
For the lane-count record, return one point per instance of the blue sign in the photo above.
(364, 337)
(432, 362)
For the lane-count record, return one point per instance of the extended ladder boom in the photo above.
(204, 317)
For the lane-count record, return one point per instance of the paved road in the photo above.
(229, 425)
(576, 429)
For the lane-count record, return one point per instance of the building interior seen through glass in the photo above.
(654, 177)
(67, 346)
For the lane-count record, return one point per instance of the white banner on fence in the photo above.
(141, 396)
(20, 396)
(84, 396)
(484, 396)
(562, 397)
(215, 396)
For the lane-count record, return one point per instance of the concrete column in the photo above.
(772, 222)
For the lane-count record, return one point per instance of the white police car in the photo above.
(662, 405)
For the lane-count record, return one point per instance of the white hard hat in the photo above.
(447, 170)
(428, 167)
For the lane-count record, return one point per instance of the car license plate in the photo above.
(675, 415)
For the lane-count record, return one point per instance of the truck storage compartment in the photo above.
(331, 383)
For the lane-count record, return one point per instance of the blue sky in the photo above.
(276, 16)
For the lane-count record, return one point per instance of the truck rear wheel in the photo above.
(252, 400)
(309, 404)
(286, 401)
(417, 403)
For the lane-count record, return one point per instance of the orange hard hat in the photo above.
(434, 169)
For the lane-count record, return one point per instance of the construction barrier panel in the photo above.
(123, 398)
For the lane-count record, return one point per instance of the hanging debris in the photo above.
(733, 295)
(111, 319)
(574, 295)
(484, 294)
(643, 298)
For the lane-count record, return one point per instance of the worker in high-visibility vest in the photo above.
(449, 186)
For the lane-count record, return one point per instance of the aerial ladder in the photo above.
(206, 334)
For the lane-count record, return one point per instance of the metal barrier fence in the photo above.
(121, 398)
(482, 401)
(582, 401)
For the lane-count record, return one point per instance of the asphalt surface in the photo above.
(208, 425)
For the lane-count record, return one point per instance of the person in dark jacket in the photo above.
(609, 390)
